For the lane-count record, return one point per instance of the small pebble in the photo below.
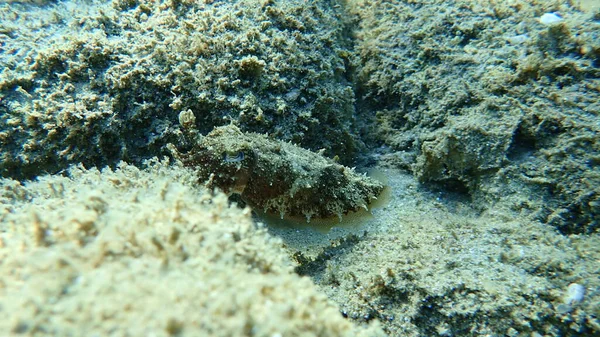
(575, 294)
(518, 39)
(550, 19)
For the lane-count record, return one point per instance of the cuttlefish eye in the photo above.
(233, 157)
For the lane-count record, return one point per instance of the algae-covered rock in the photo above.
(458, 156)
(480, 97)
(278, 177)
(98, 82)
(146, 252)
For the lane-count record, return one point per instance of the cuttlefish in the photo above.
(277, 177)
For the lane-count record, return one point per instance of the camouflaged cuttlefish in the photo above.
(277, 177)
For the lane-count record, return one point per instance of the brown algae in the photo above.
(276, 177)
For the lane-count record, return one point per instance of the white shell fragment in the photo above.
(550, 19)
(517, 39)
(575, 294)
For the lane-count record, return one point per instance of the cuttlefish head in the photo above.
(224, 158)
